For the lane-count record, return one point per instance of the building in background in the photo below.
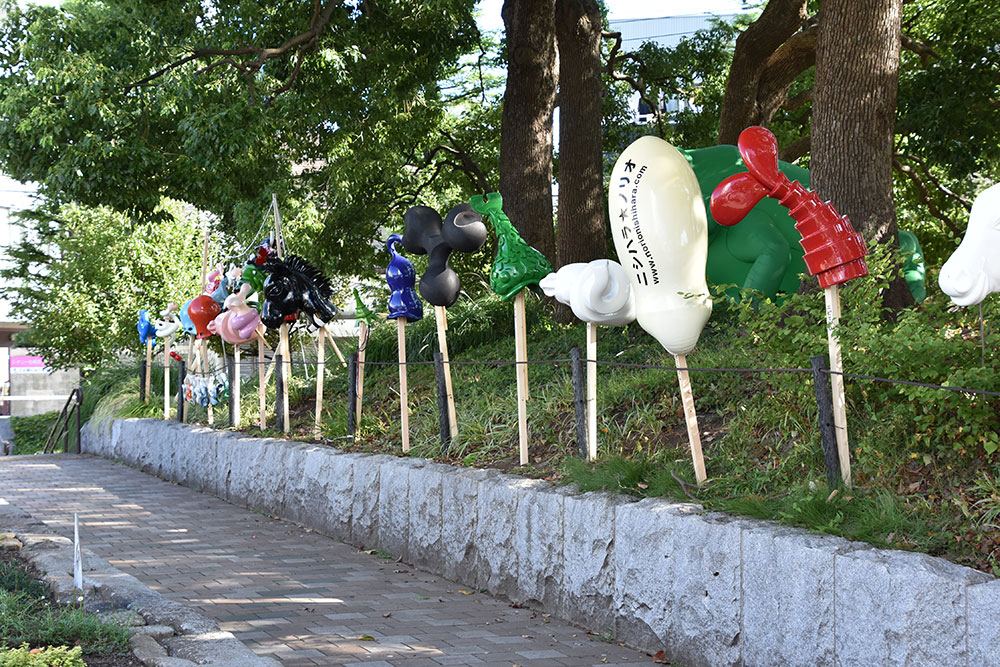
(27, 387)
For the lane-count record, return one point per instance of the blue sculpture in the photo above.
(402, 278)
(145, 327)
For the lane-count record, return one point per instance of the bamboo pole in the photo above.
(441, 315)
(404, 416)
(691, 417)
(206, 367)
(336, 348)
(832, 297)
(362, 344)
(286, 359)
(166, 378)
(149, 366)
(591, 391)
(521, 356)
(234, 389)
(320, 372)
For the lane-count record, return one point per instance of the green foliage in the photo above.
(50, 656)
(81, 275)
(30, 432)
(28, 617)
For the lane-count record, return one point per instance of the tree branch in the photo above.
(924, 195)
(638, 85)
(796, 149)
(925, 51)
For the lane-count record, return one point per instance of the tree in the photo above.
(582, 209)
(854, 111)
(526, 128)
(81, 275)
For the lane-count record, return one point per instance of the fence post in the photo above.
(142, 380)
(231, 372)
(352, 394)
(579, 401)
(442, 396)
(181, 373)
(824, 405)
(279, 391)
(79, 409)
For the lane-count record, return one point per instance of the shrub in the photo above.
(51, 656)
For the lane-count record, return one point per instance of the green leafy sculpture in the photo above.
(362, 312)
(517, 264)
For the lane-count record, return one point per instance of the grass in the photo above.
(924, 476)
(28, 616)
(30, 432)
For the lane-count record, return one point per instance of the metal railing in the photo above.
(61, 428)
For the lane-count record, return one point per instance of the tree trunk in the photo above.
(526, 124)
(854, 109)
(581, 232)
(742, 105)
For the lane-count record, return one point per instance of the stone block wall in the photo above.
(706, 588)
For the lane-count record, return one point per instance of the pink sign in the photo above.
(26, 361)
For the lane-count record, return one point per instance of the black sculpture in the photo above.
(293, 284)
(462, 230)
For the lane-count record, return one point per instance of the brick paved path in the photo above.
(300, 597)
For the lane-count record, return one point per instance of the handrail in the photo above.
(60, 429)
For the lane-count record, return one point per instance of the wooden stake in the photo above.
(234, 388)
(261, 383)
(404, 416)
(206, 367)
(521, 356)
(320, 372)
(691, 417)
(192, 366)
(286, 359)
(166, 378)
(441, 315)
(336, 348)
(832, 296)
(149, 366)
(362, 344)
(591, 391)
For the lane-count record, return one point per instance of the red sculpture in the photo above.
(203, 310)
(834, 252)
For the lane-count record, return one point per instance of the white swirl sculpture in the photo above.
(661, 233)
(169, 322)
(973, 270)
(598, 292)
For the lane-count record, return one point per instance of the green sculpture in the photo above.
(254, 277)
(517, 264)
(762, 252)
(362, 312)
(913, 264)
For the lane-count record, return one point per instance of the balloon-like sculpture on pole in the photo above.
(661, 234)
(973, 270)
(404, 305)
(834, 252)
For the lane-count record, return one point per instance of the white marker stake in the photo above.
(166, 378)
(362, 345)
(591, 391)
(235, 387)
(320, 372)
(832, 296)
(404, 417)
(691, 417)
(149, 366)
(441, 315)
(77, 558)
(261, 383)
(521, 356)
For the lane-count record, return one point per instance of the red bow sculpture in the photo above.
(834, 252)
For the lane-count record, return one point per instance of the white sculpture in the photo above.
(661, 232)
(169, 322)
(973, 270)
(598, 292)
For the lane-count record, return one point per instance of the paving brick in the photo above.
(286, 591)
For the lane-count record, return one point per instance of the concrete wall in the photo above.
(706, 588)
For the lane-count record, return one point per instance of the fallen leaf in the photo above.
(464, 592)
(387, 615)
(660, 658)
(366, 638)
(642, 486)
